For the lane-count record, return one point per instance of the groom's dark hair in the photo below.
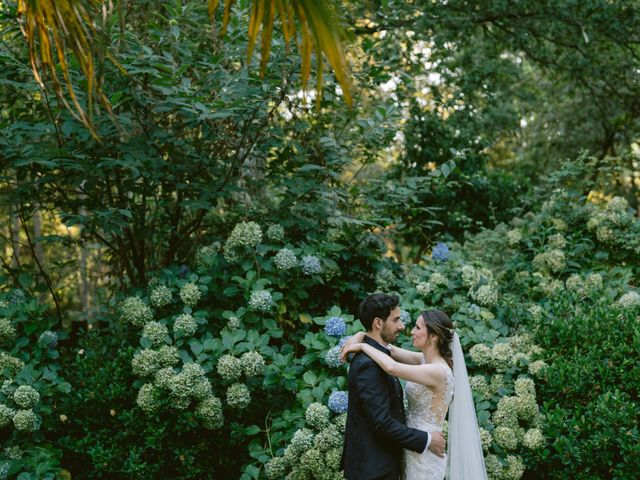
(376, 305)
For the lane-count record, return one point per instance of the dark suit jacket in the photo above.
(376, 432)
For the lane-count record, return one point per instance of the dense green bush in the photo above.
(570, 270)
(32, 385)
(592, 390)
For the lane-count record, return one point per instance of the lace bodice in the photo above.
(427, 410)
(426, 406)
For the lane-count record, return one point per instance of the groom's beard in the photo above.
(390, 337)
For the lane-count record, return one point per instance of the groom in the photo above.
(376, 432)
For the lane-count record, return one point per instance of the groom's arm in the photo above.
(372, 388)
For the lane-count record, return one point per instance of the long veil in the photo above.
(466, 461)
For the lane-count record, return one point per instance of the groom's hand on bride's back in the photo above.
(438, 444)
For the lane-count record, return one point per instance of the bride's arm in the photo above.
(406, 356)
(429, 375)
(399, 354)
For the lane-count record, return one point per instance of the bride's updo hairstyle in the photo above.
(439, 323)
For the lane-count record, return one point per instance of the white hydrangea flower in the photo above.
(7, 388)
(533, 439)
(276, 468)
(560, 225)
(525, 387)
(479, 384)
(252, 363)
(233, 323)
(502, 356)
(261, 301)
(527, 407)
(155, 332)
(168, 356)
(604, 234)
(164, 377)
(145, 362)
(147, 398)
(26, 421)
(26, 396)
(536, 311)
(310, 265)
(514, 237)
(184, 326)
(550, 286)
(552, 261)
(244, 237)
(493, 466)
(505, 437)
(238, 396)
(617, 209)
(575, 283)
(486, 315)
(12, 363)
(515, 468)
(160, 296)
(229, 367)
(424, 288)
(486, 295)
(134, 311)
(629, 300)
(7, 330)
(275, 233)
(437, 278)
(506, 413)
(470, 276)
(485, 439)
(6, 415)
(301, 441)
(385, 279)
(190, 294)
(557, 241)
(14, 452)
(210, 412)
(594, 281)
(285, 260)
(537, 367)
(317, 416)
(190, 384)
(481, 354)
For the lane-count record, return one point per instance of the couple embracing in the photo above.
(383, 443)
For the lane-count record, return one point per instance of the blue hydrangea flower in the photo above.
(338, 402)
(440, 252)
(343, 340)
(405, 317)
(335, 327)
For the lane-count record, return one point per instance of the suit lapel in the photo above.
(394, 384)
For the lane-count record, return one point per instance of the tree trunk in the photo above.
(15, 237)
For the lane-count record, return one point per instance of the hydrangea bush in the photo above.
(31, 385)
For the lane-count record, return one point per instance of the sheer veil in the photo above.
(466, 461)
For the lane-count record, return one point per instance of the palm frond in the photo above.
(53, 28)
(319, 31)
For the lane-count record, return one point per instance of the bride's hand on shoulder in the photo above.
(350, 348)
(355, 338)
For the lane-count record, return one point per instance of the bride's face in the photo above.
(419, 333)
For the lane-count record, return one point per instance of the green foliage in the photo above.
(33, 383)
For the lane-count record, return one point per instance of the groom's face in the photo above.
(392, 327)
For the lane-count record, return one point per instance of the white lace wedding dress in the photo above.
(427, 411)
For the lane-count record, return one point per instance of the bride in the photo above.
(437, 383)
